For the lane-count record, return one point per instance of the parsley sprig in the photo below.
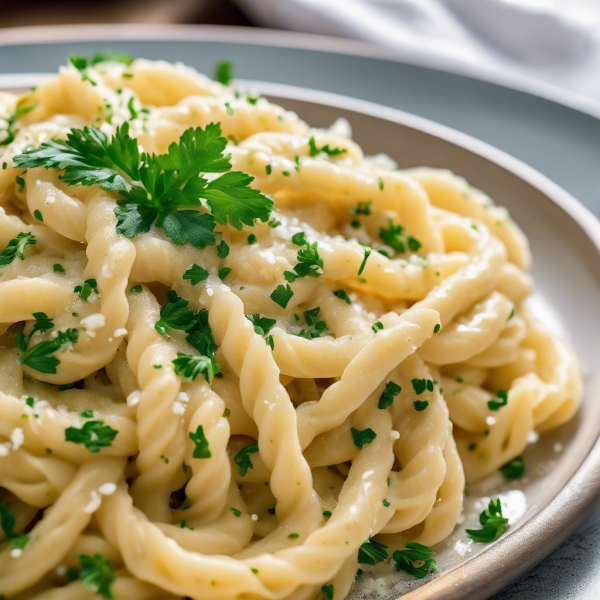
(8, 521)
(41, 356)
(96, 573)
(326, 149)
(201, 449)
(494, 524)
(514, 469)
(415, 553)
(372, 552)
(392, 236)
(166, 190)
(16, 247)
(242, 458)
(93, 435)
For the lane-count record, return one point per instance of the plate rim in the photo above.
(580, 494)
(70, 33)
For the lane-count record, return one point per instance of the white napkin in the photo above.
(553, 42)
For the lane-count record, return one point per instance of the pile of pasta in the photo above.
(441, 315)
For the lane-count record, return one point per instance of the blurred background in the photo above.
(554, 42)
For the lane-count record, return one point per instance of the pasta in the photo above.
(229, 407)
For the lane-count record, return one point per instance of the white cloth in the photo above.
(556, 42)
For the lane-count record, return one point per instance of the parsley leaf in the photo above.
(282, 295)
(224, 72)
(392, 236)
(200, 336)
(389, 393)
(514, 469)
(40, 356)
(16, 247)
(262, 325)
(189, 226)
(188, 367)
(342, 295)
(315, 150)
(230, 196)
(420, 405)
(310, 262)
(377, 326)
(422, 385)
(242, 458)
(413, 553)
(11, 121)
(327, 590)
(97, 574)
(362, 437)
(8, 521)
(502, 401)
(201, 449)
(85, 291)
(195, 274)
(494, 524)
(362, 208)
(175, 314)
(372, 552)
(93, 435)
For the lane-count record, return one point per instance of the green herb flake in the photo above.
(389, 393)
(342, 295)
(195, 274)
(38, 215)
(299, 239)
(223, 250)
(385, 502)
(364, 261)
(58, 268)
(514, 469)
(415, 553)
(362, 437)
(242, 458)
(87, 414)
(262, 325)
(85, 291)
(372, 552)
(8, 522)
(500, 402)
(201, 449)
(223, 272)
(236, 512)
(16, 247)
(377, 326)
(188, 367)
(314, 150)
(293, 536)
(422, 385)
(327, 590)
(136, 289)
(92, 434)
(437, 328)
(494, 524)
(282, 295)
(420, 405)
(362, 208)
(96, 573)
(252, 239)
(224, 72)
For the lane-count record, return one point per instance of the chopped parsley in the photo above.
(310, 263)
(415, 553)
(16, 247)
(93, 435)
(299, 239)
(437, 328)
(282, 295)
(96, 573)
(377, 326)
(421, 385)
(514, 469)
(362, 437)
(262, 325)
(201, 449)
(41, 356)
(58, 268)
(195, 274)
(175, 314)
(327, 590)
(224, 72)
(392, 236)
(252, 239)
(385, 502)
(85, 291)
(372, 552)
(362, 208)
(166, 190)
(223, 250)
(315, 150)
(420, 405)
(242, 458)
(8, 521)
(236, 512)
(20, 183)
(319, 328)
(293, 536)
(223, 272)
(189, 366)
(11, 124)
(342, 295)
(136, 289)
(87, 414)
(38, 215)
(364, 261)
(389, 393)
(500, 402)
(494, 524)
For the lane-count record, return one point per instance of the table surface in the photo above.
(559, 142)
